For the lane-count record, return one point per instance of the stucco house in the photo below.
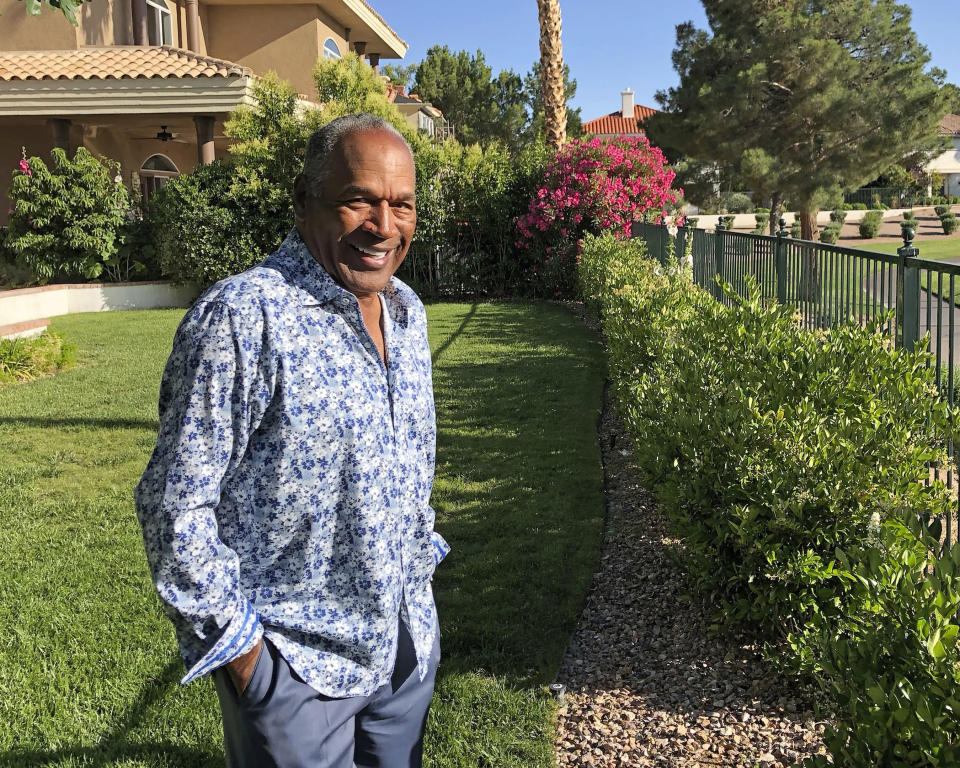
(418, 114)
(628, 121)
(947, 164)
(149, 83)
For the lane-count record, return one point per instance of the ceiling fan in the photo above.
(163, 135)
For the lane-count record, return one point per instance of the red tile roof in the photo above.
(117, 63)
(616, 123)
(950, 125)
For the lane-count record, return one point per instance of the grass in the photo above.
(88, 662)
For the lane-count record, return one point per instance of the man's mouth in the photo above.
(374, 257)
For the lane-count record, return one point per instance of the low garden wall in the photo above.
(27, 311)
(747, 220)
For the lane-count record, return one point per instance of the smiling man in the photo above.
(285, 509)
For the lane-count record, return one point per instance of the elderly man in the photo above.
(285, 508)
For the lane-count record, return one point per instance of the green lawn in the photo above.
(88, 663)
(929, 249)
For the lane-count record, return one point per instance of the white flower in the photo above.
(118, 179)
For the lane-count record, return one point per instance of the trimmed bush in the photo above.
(763, 220)
(940, 210)
(727, 221)
(858, 207)
(65, 220)
(838, 216)
(797, 487)
(870, 225)
(737, 202)
(949, 223)
(830, 234)
(796, 229)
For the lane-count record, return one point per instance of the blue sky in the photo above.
(609, 44)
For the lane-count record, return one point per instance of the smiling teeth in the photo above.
(375, 254)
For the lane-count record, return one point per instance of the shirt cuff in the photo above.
(240, 636)
(440, 547)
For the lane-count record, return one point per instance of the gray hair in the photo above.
(317, 161)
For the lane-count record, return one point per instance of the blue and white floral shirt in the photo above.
(288, 494)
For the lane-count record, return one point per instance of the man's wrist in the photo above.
(241, 668)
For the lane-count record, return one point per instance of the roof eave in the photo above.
(184, 95)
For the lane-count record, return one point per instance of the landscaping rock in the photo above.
(647, 683)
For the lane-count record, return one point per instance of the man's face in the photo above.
(361, 229)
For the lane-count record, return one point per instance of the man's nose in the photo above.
(381, 221)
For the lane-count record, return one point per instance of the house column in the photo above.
(374, 59)
(139, 12)
(60, 128)
(193, 25)
(205, 147)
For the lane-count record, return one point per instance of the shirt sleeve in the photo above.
(212, 396)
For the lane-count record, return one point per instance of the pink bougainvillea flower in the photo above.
(25, 168)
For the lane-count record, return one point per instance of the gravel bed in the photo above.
(647, 684)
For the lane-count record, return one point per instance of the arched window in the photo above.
(154, 173)
(330, 49)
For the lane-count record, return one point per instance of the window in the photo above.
(159, 23)
(154, 173)
(330, 49)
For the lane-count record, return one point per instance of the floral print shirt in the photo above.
(288, 494)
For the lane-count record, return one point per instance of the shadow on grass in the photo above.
(56, 423)
(519, 488)
(115, 746)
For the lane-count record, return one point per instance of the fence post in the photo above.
(681, 247)
(664, 234)
(782, 235)
(908, 304)
(718, 259)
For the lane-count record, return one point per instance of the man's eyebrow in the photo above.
(355, 191)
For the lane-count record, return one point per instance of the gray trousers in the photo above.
(281, 722)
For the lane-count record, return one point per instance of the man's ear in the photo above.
(300, 191)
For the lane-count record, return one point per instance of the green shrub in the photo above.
(893, 674)
(796, 229)
(65, 220)
(28, 359)
(940, 210)
(858, 207)
(949, 223)
(763, 220)
(830, 234)
(692, 222)
(738, 202)
(805, 438)
(838, 215)
(909, 216)
(727, 221)
(870, 225)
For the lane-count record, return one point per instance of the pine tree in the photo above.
(806, 98)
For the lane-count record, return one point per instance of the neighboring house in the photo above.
(627, 122)
(948, 163)
(419, 114)
(149, 83)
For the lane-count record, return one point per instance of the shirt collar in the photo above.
(315, 286)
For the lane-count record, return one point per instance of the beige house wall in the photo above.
(285, 39)
(106, 22)
(49, 31)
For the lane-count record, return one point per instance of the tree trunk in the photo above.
(551, 73)
(810, 275)
(808, 224)
(776, 206)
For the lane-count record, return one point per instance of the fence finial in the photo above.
(783, 228)
(907, 234)
(719, 223)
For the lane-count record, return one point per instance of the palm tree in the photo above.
(551, 74)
